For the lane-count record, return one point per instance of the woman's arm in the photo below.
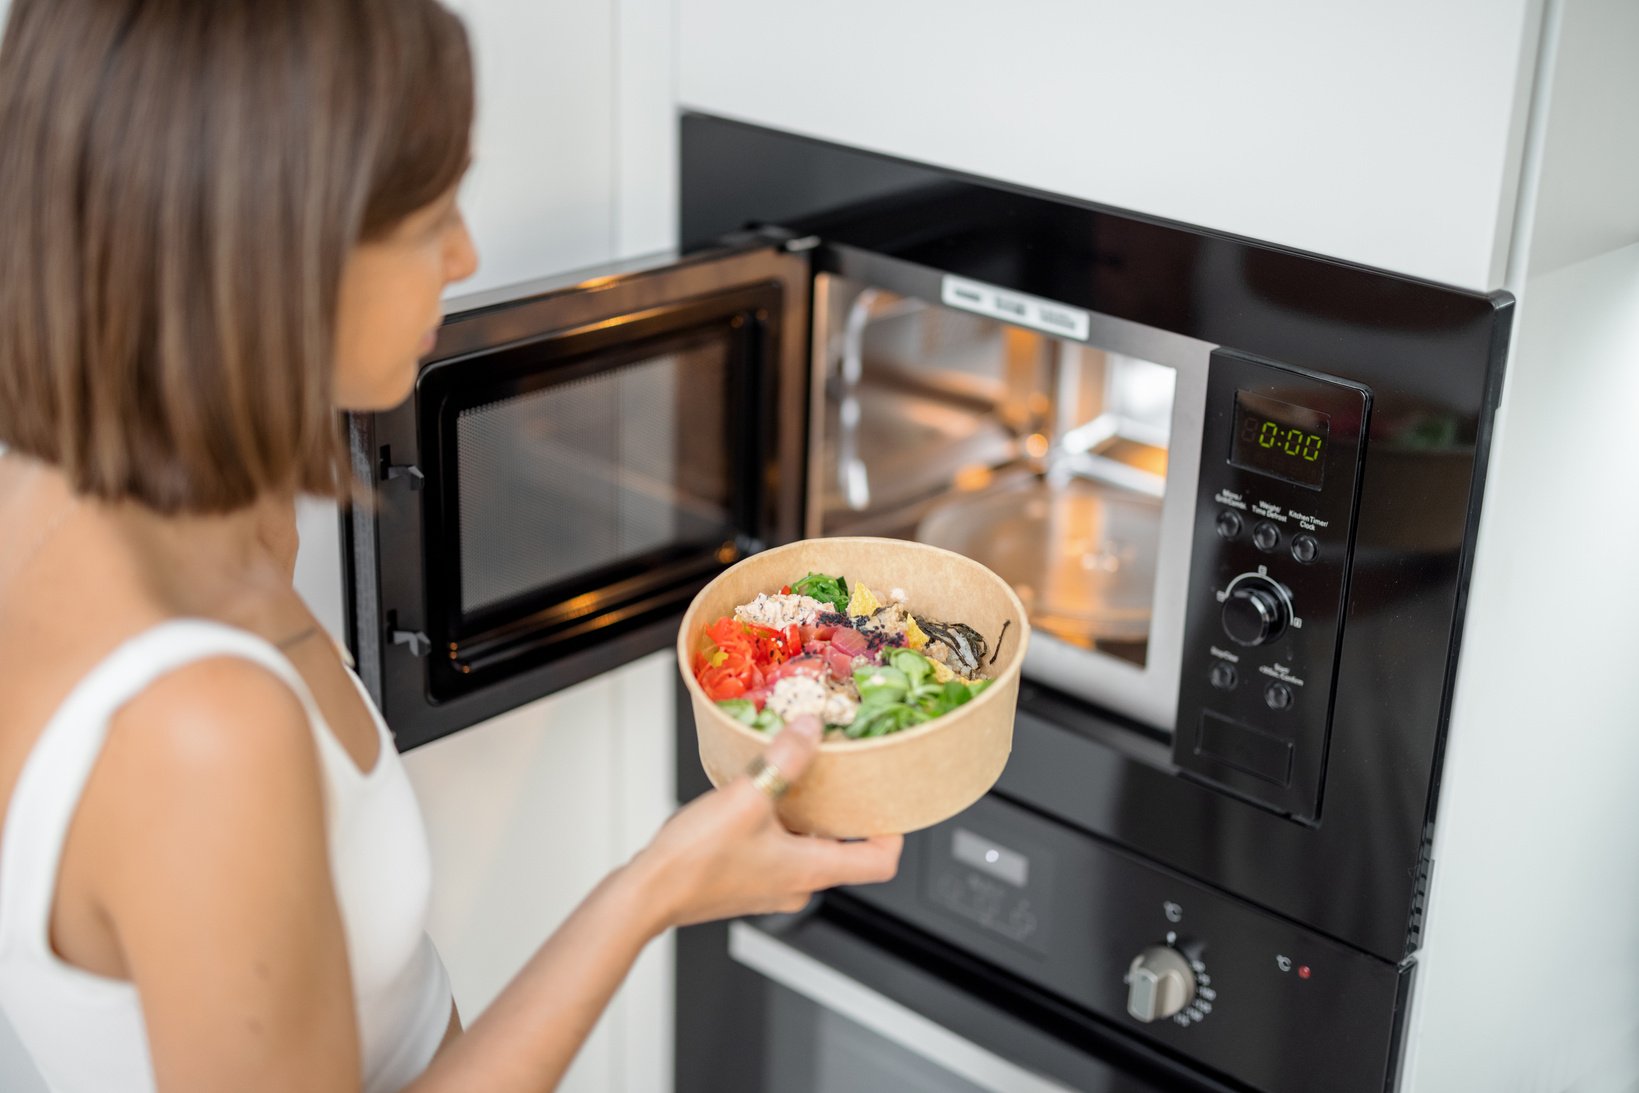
(723, 855)
(203, 826)
(203, 823)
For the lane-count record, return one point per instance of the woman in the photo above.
(228, 219)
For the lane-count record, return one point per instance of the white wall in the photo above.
(525, 814)
(1530, 967)
(1588, 190)
(1529, 974)
(1386, 133)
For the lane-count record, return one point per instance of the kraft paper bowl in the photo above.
(889, 784)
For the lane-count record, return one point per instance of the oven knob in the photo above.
(1160, 983)
(1255, 611)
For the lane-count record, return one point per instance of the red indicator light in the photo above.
(1303, 971)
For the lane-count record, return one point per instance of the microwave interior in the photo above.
(1046, 459)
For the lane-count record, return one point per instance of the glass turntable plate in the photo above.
(1080, 556)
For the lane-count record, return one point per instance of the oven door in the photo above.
(837, 1001)
(578, 459)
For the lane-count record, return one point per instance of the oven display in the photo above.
(1279, 439)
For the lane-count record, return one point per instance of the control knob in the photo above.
(1160, 983)
(1256, 610)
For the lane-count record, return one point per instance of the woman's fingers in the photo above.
(794, 747)
(870, 861)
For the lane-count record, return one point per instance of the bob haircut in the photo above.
(182, 183)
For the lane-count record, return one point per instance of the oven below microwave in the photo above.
(1014, 952)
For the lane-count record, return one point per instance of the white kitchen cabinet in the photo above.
(1386, 133)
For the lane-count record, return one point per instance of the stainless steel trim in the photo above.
(825, 986)
(1150, 693)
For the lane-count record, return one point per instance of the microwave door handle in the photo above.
(826, 986)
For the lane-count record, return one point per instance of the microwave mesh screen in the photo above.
(586, 474)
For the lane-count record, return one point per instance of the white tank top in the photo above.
(84, 1031)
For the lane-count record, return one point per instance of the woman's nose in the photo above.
(462, 255)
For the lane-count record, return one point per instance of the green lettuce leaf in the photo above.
(829, 590)
(741, 709)
(881, 686)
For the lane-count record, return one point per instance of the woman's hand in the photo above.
(727, 854)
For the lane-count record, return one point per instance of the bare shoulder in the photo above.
(214, 758)
(217, 716)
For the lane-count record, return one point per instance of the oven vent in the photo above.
(1419, 893)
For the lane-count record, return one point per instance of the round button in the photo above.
(1255, 611)
(1229, 524)
(1278, 696)
(1305, 548)
(1223, 676)
(1265, 536)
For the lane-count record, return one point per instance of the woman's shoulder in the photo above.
(211, 734)
(219, 707)
(218, 749)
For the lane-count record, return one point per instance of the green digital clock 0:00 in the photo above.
(1291, 441)
(1280, 439)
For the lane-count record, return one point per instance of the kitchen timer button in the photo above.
(1229, 524)
(1265, 536)
(1305, 548)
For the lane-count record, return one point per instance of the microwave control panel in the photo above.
(1281, 452)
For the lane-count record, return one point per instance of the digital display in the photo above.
(1279, 439)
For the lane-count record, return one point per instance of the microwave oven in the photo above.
(1235, 485)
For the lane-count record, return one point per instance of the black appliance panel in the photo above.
(1275, 1005)
(1280, 458)
(580, 457)
(1430, 355)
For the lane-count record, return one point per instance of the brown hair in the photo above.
(181, 184)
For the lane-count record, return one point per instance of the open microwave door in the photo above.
(578, 459)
